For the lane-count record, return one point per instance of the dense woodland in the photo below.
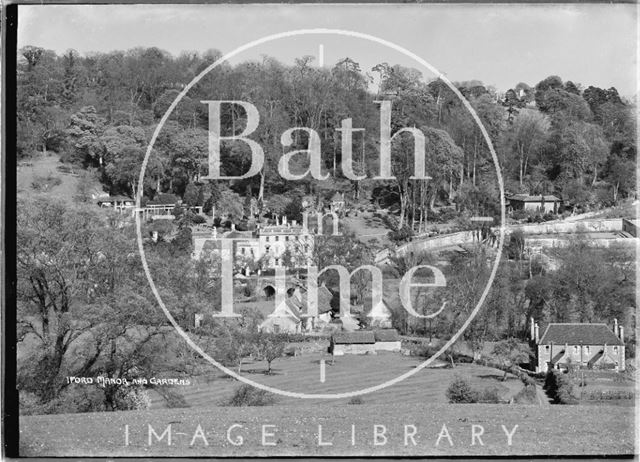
(99, 111)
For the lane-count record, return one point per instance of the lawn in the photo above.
(43, 168)
(350, 372)
(367, 227)
(604, 382)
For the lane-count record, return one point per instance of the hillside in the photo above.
(41, 174)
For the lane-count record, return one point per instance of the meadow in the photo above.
(347, 373)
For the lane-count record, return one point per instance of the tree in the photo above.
(583, 149)
(510, 353)
(85, 130)
(525, 140)
(270, 347)
(236, 339)
(84, 189)
(72, 268)
(229, 205)
(621, 176)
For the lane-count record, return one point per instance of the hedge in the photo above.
(559, 387)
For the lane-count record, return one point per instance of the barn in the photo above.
(387, 340)
(359, 343)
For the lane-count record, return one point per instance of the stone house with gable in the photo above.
(583, 345)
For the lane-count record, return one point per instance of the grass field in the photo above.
(554, 430)
(350, 372)
(44, 166)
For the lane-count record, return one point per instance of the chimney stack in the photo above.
(532, 331)
(615, 326)
(621, 329)
(537, 333)
(233, 226)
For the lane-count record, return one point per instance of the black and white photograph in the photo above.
(320, 230)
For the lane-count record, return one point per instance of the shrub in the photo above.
(422, 350)
(44, 183)
(172, 398)
(356, 400)
(527, 395)
(247, 395)
(71, 400)
(460, 391)
(198, 219)
(136, 399)
(488, 396)
(560, 387)
(600, 395)
(402, 235)
(519, 215)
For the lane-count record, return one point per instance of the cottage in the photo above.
(337, 202)
(119, 203)
(284, 319)
(387, 340)
(348, 322)
(323, 316)
(543, 204)
(361, 342)
(379, 315)
(590, 346)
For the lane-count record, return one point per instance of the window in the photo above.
(546, 348)
(587, 350)
(286, 238)
(576, 349)
(267, 238)
(615, 349)
(277, 238)
(242, 250)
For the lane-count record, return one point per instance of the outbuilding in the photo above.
(359, 342)
(387, 340)
(543, 204)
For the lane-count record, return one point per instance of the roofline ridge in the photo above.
(545, 333)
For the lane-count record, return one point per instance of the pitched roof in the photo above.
(324, 300)
(528, 198)
(386, 335)
(238, 234)
(341, 338)
(579, 334)
(114, 199)
(383, 306)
